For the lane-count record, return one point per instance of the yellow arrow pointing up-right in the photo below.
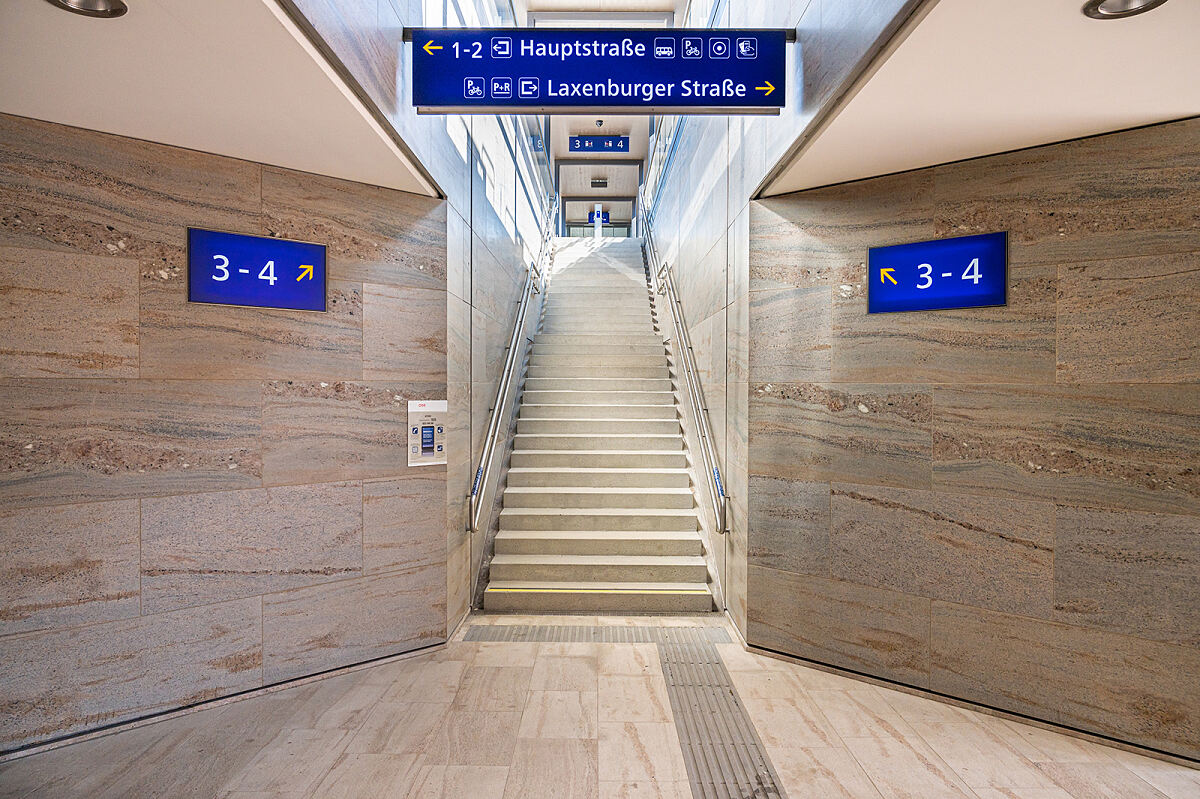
(305, 271)
(888, 274)
(430, 47)
(768, 88)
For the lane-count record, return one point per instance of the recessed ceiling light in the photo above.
(1119, 9)
(104, 9)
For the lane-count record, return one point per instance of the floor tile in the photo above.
(1100, 781)
(641, 659)
(828, 773)
(293, 762)
(552, 673)
(860, 713)
(633, 752)
(497, 688)
(473, 738)
(457, 782)
(906, 769)
(980, 757)
(626, 697)
(559, 714)
(553, 769)
(645, 790)
(366, 777)
(398, 728)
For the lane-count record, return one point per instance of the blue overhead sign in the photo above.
(598, 144)
(592, 217)
(261, 272)
(963, 272)
(557, 70)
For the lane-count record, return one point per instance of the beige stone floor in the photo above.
(562, 721)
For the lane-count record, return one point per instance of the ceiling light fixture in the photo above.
(1119, 9)
(102, 9)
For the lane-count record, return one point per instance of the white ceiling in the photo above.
(233, 77)
(974, 78)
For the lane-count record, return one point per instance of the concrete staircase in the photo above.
(599, 513)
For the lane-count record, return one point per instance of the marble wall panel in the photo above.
(95, 193)
(1141, 691)
(326, 626)
(64, 681)
(183, 340)
(990, 553)
(1073, 201)
(1128, 572)
(204, 548)
(351, 28)
(737, 488)
(1013, 344)
(791, 340)
(71, 441)
(861, 433)
(404, 334)
(458, 255)
(459, 344)
(68, 565)
(371, 234)
(404, 521)
(1110, 446)
(789, 525)
(1130, 320)
(869, 630)
(318, 431)
(813, 238)
(68, 315)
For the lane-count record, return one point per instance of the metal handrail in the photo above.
(535, 283)
(663, 284)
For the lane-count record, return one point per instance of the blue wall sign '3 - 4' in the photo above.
(598, 144)
(558, 70)
(256, 271)
(963, 272)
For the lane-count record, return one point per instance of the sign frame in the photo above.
(788, 34)
(934, 243)
(187, 270)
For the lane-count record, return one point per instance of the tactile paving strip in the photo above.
(725, 758)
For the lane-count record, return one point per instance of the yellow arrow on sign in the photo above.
(888, 274)
(768, 88)
(305, 271)
(430, 47)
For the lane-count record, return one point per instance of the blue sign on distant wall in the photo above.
(963, 272)
(261, 272)
(598, 144)
(560, 70)
(592, 217)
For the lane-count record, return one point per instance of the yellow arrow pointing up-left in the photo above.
(768, 88)
(430, 47)
(888, 274)
(305, 271)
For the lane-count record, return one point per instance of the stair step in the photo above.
(581, 397)
(597, 384)
(598, 598)
(600, 361)
(531, 410)
(608, 497)
(617, 372)
(608, 568)
(597, 339)
(599, 477)
(610, 350)
(600, 459)
(598, 519)
(598, 441)
(598, 542)
(600, 426)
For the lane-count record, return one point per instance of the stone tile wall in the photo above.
(199, 500)
(998, 504)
